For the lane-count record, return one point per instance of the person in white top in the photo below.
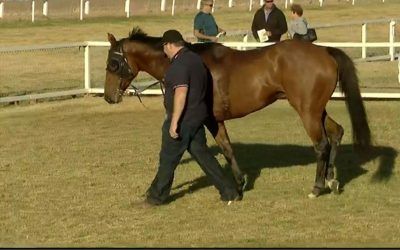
(298, 24)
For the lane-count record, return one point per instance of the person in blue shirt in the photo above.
(205, 28)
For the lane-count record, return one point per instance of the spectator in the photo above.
(269, 21)
(299, 24)
(205, 28)
(185, 90)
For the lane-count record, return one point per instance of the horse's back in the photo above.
(295, 69)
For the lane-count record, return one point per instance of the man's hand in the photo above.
(172, 130)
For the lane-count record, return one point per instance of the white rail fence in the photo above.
(364, 34)
(321, 2)
(87, 84)
(84, 6)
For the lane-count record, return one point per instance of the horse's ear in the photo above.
(111, 39)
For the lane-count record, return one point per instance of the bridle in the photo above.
(118, 64)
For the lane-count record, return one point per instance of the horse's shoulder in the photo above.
(220, 51)
(214, 51)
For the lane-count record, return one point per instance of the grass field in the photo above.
(71, 170)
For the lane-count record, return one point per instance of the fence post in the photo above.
(250, 4)
(364, 41)
(198, 4)
(33, 11)
(87, 68)
(230, 3)
(261, 2)
(321, 2)
(398, 59)
(173, 7)
(353, 2)
(81, 11)
(392, 26)
(163, 3)
(127, 8)
(1, 9)
(87, 7)
(45, 8)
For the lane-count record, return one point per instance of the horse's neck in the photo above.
(156, 66)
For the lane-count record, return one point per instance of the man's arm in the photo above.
(282, 25)
(221, 30)
(197, 34)
(254, 26)
(179, 104)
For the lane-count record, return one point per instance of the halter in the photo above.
(118, 64)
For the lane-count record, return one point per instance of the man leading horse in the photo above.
(186, 83)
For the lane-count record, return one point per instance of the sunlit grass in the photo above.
(71, 170)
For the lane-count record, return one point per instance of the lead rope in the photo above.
(138, 91)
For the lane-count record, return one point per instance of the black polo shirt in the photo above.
(187, 69)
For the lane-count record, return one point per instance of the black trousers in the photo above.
(193, 139)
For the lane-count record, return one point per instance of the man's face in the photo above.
(269, 4)
(208, 6)
(167, 49)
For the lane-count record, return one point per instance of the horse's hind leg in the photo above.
(335, 133)
(313, 124)
(218, 130)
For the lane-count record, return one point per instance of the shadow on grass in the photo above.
(252, 158)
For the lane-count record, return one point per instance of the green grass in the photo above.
(71, 170)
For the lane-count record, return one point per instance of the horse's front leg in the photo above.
(218, 130)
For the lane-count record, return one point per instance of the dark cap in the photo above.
(171, 36)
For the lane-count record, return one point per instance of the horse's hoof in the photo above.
(334, 186)
(312, 196)
(315, 192)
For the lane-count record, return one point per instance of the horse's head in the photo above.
(127, 57)
(119, 71)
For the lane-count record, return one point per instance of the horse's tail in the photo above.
(348, 82)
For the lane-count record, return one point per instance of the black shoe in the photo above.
(231, 199)
(237, 198)
(154, 202)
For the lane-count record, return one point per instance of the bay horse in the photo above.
(246, 81)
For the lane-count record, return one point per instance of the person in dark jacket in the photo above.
(271, 19)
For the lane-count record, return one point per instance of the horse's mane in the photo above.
(137, 34)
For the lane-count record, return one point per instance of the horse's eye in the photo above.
(113, 65)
